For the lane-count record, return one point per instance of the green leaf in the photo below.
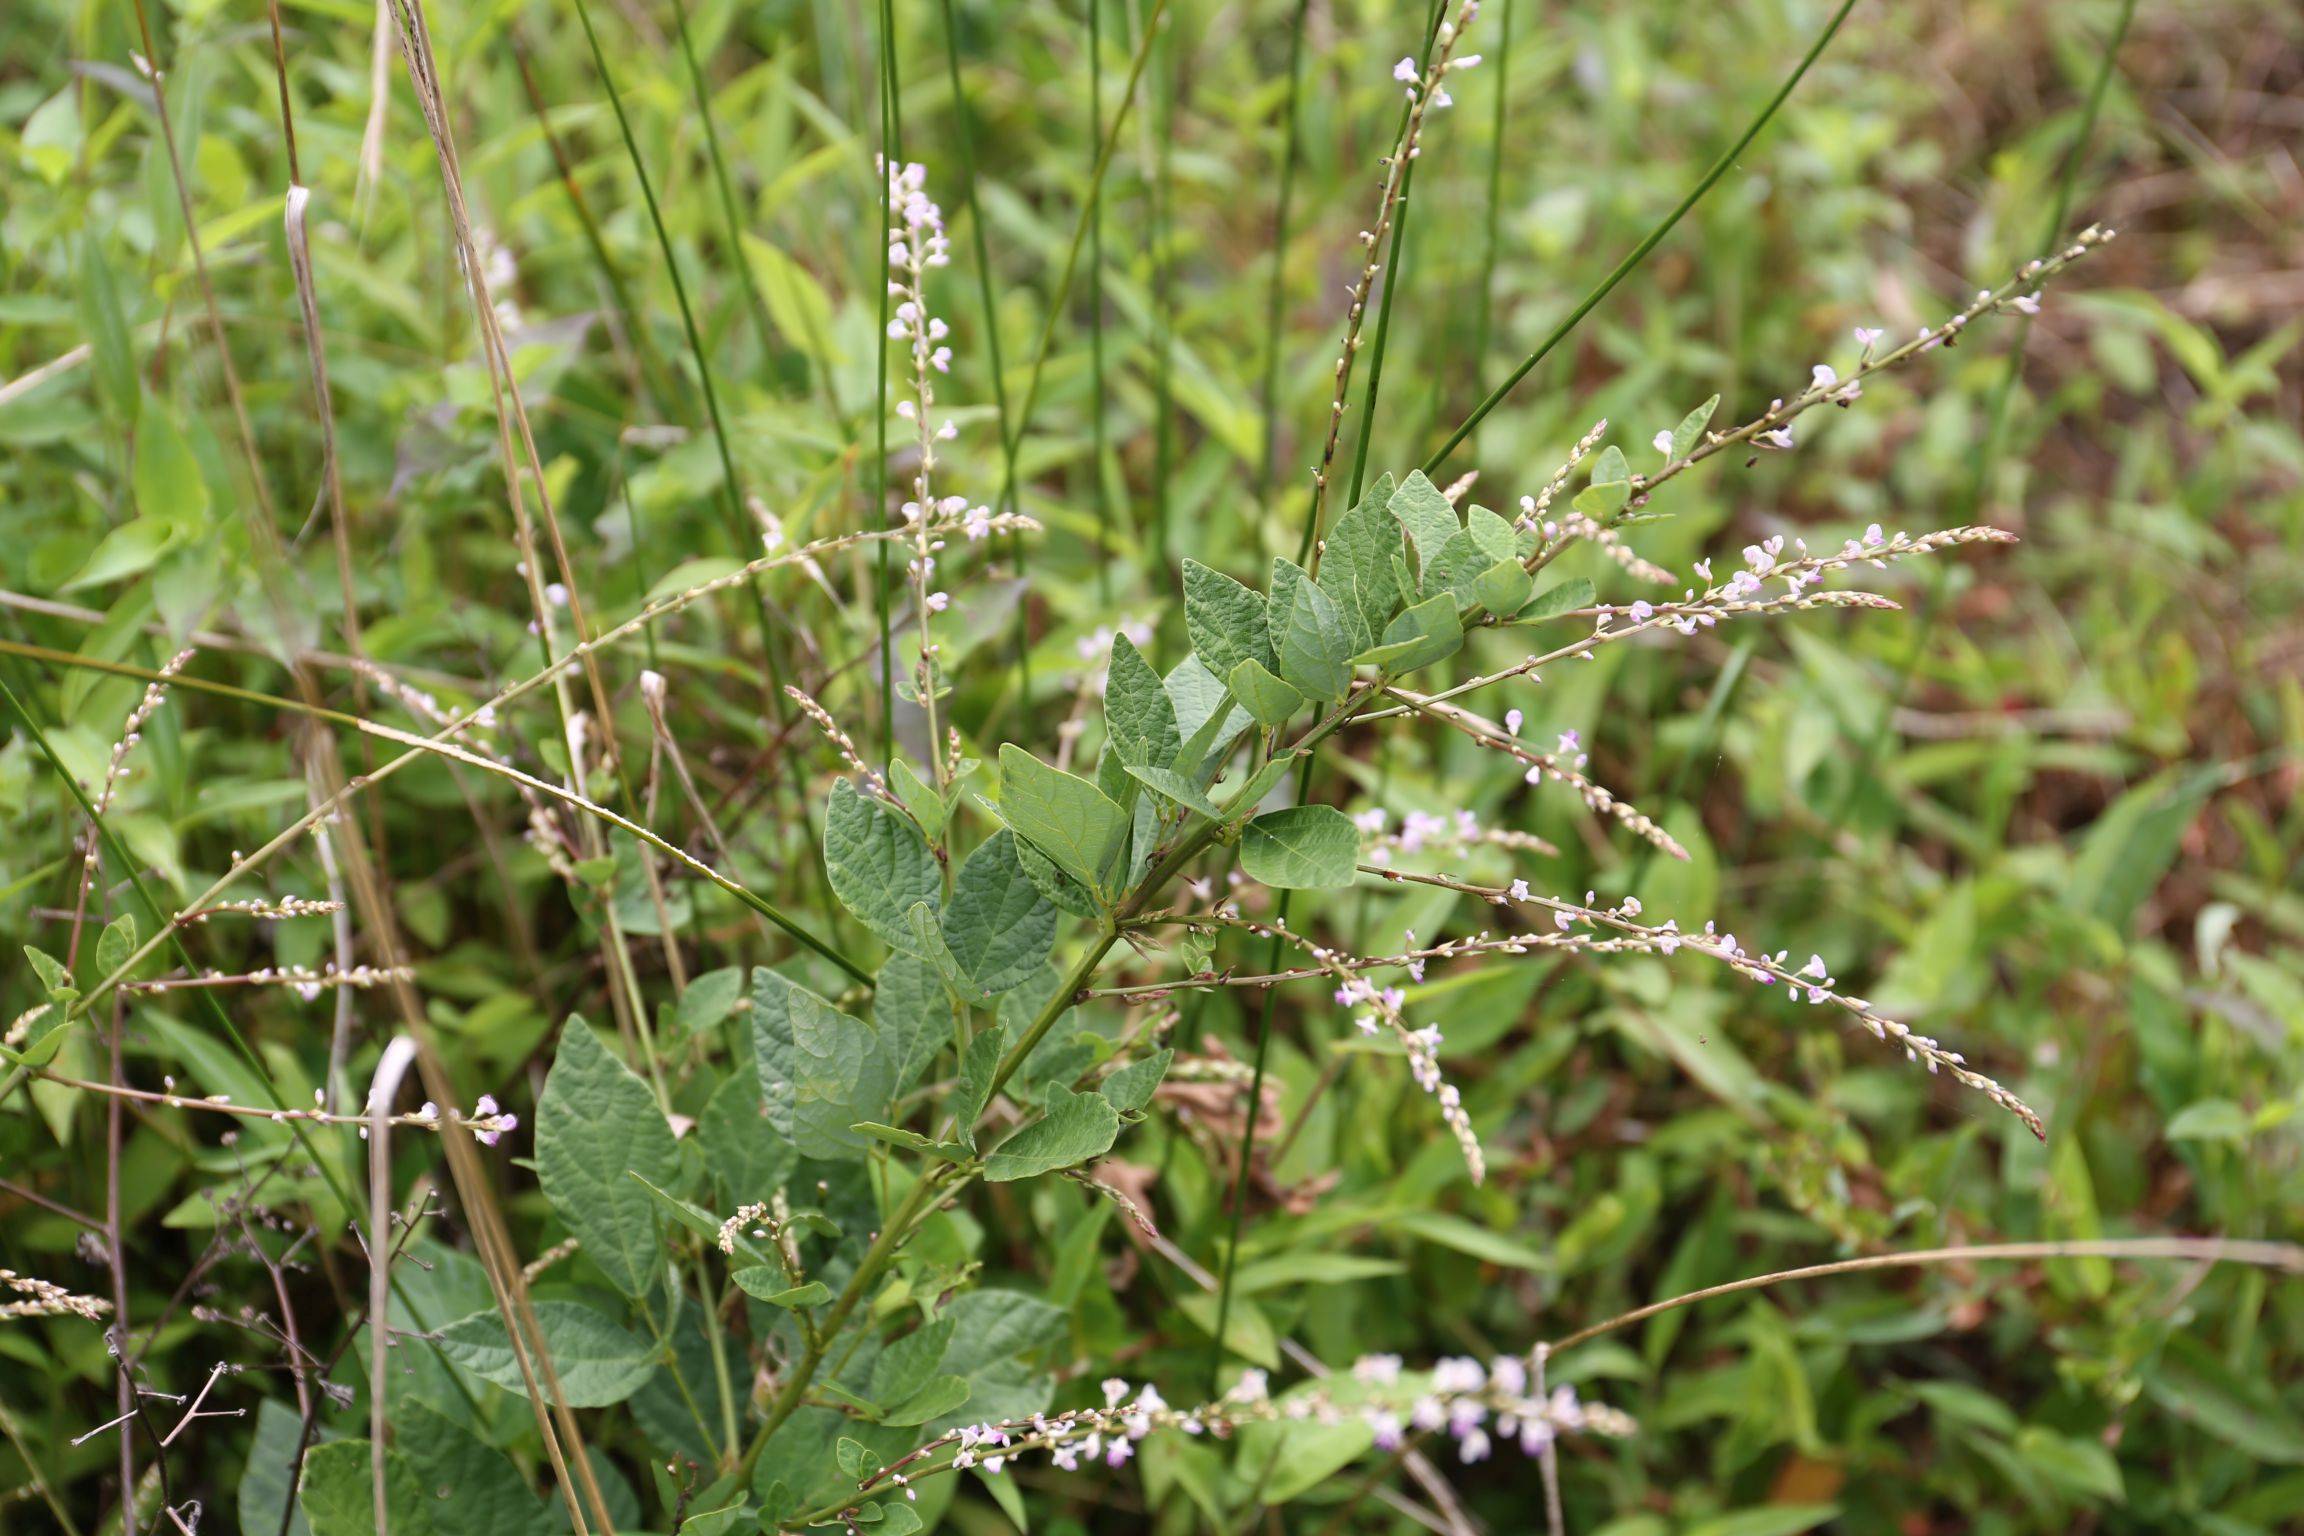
(938, 1398)
(1075, 1128)
(927, 807)
(1139, 717)
(912, 1007)
(1428, 632)
(1503, 588)
(1243, 799)
(339, 1498)
(595, 1121)
(974, 1089)
(599, 1363)
(463, 1473)
(1068, 894)
(1601, 501)
(1561, 597)
(1205, 715)
(1067, 818)
(878, 863)
(769, 1284)
(1226, 621)
(997, 926)
(1469, 1238)
(2191, 1384)
(1309, 634)
(909, 1362)
(1311, 1268)
(54, 979)
(2078, 1466)
(1303, 847)
(1175, 786)
(1356, 565)
(1772, 1520)
(1426, 515)
(1691, 429)
(1131, 1087)
(106, 328)
(1247, 1331)
(170, 489)
(710, 998)
(1264, 696)
(264, 1475)
(1454, 569)
(821, 1070)
(128, 550)
(1492, 533)
(2209, 1120)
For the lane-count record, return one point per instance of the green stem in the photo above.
(891, 156)
(735, 227)
(731, 486)
(1393, 273)
(1278, 287)
(1639, 253)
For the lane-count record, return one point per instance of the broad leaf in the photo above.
(1303, 847)
(1139, 717)
(1503, 587)
(1492, 533)
(1425, 514)
(997, 926)
(878, 863)
(595, 1121)
(338, 1492)
(1308, 634)
(1205, 714)
(821, 1070)
(1224, 620)
(1264, 696)
(1560, 597)
(912, 1008)
(1176, 787)
(1067, 818)
(1356, 566)
(1076, 1127)
(1130, 1089)
(600, 1364)
(1419, 636)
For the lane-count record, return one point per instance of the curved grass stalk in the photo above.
(1639, 253)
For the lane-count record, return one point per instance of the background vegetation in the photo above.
(2049, 814)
